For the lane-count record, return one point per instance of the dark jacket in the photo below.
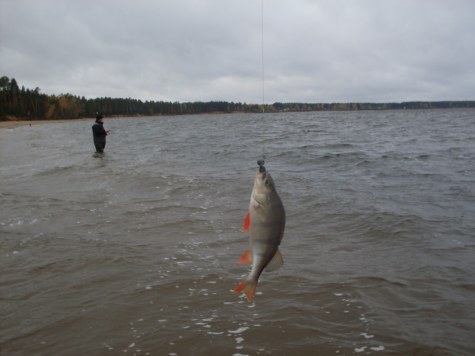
(99, 134)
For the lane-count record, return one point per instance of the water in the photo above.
(134, 252)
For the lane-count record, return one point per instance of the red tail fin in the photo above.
(248, 287)
(246, 223)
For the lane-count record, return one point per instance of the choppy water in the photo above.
(134, 252)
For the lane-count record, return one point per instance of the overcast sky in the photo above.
(202, 50)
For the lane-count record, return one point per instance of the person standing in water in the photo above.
(99, 133)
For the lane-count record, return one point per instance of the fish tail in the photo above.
(248, 287)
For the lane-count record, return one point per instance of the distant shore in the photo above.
(12, 121)
(16, 123)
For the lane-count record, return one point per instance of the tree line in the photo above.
(21, 103)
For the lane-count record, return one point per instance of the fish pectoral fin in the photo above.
(246, 258)
(246, 223)
(276, 262)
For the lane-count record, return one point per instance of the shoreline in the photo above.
(20, 122)
(16, 123)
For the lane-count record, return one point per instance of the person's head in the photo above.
(99, 118)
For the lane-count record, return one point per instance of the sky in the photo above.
(315, 51)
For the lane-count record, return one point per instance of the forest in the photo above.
(30, 104)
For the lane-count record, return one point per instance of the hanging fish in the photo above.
(265, 222)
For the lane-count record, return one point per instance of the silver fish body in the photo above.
(265, 223)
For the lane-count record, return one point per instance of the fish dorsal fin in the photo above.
(275, 263)
(246, 223)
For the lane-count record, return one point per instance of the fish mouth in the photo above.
(261, 163)
(262, 174)
(262, 177)
(262, 169)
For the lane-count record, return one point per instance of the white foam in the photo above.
(377, 348)
(361, 349)
(367, 336)
(239, 330)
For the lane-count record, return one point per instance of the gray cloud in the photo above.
(187, 50)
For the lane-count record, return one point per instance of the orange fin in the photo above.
(246, 223)
(246, 258)
(248, 287)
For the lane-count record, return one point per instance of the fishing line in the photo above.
(263, 86)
